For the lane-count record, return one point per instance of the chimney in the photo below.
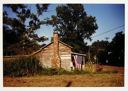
(56, 58)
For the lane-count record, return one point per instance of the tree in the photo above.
(98, 50)
(110, 53)
(19, 28)
(116, 50)
(73, 25)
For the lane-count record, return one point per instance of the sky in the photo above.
(108, 17)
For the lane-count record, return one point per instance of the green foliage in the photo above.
(74, 25)
(102, 56)
(109, 53)
(116, 49)
(51, 71)
(20, 24)
(28, 66)
(24, 66)
(61, 71)
(19, 49)
(98, 51)
(100, 44)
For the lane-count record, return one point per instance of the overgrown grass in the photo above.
(98, 69)
(87, 80)
(90, 67)
(24, 66)
(51, 71)
(28, 66)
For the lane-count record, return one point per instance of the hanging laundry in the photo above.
(78, 61)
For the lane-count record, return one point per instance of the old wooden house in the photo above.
(59, 55)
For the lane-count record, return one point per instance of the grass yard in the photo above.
(85, 80)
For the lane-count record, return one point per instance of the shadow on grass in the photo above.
(69, 84)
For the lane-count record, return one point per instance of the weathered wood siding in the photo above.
(46, 54)
(65, 55)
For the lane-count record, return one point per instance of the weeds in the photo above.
(90, 67)
(24, 66)
(28, 66)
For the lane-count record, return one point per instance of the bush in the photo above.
(28, 66)
(90, 67)
(24, 66)
(49, 71)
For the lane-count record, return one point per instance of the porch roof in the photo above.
(74, 53)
